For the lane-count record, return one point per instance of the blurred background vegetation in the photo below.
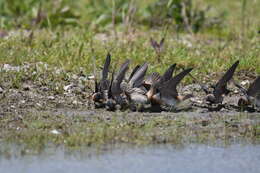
(69, 32)
(106, 14)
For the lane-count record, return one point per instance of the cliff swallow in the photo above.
(154, 80)
(252, 94)
(167, 93)
(220, 89)
(100, 94)
(115, 91)
(133, 89)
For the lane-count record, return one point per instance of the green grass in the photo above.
(210, 50)
(34, 130)
(76, 41)
(72, 50)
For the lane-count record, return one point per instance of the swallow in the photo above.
(167, 93)
(251, 95)
(157, 46)
(154, 80)
(220, 89)
(134, 90)
(115, 92)
(101, 88)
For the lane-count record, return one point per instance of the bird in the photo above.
(133, 89)
(100, 94)
(115, 92)
(251, 95)
(220, 89)
(153, 80)
(166, 93)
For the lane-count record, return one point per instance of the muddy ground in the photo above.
(44, 88)
(40, 104)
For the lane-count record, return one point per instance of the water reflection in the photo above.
(163, 158)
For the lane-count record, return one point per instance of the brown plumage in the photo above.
(167, 92)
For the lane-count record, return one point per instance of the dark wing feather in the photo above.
(169, 87)
(221, 85)
(121, 74)
(168, 73)
(254, 88)
(119, 78)
(133, 72)
(154, 44)
(96, 86)
(138, 77)
(110, 95)
(161, 43)
(106, 67)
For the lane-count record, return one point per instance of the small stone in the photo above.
(44, 88)
(51, 97)
(26, 87)
(1, 90)
(75, 102)
(67, 87)
(8, 67)
(245, 82)
(74, 76)
(22, 101)
(38, 104)
(56, 132)
(236, 91)
(91, 77)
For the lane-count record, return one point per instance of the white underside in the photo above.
(139, 98)
(170, 102)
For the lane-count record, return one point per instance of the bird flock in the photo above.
(155, 92)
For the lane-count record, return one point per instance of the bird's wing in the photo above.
(254, 88)
(168, 73)
(169, 87)
(119, 78)
(222, 83)
(138, 77)
(133, 72)
(106, 67)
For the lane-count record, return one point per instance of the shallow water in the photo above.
(162, 158)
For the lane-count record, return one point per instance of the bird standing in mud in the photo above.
(252, 94)
(165, 91)
(100, 94)
(220, 89)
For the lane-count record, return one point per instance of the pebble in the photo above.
(26, 87)
(56, 132)
(245, 82)
(67, 87)
(51, 97)
(1, 90)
